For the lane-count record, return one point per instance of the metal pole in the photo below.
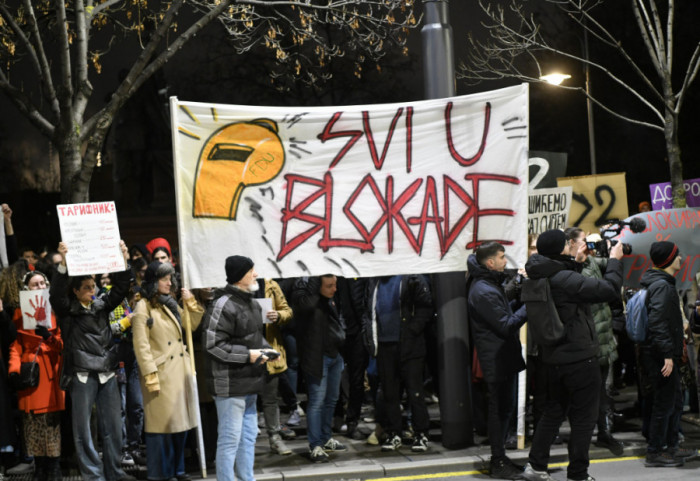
(453, 332)
(589, 102)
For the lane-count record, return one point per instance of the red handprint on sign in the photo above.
(39, 310)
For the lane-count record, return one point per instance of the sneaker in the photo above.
(334, 445)
(683, 453)
(420, 444)
(392, 443)
(662, 460)
(277, 446)
(127, 460)
(589, 478)
(606, 440)
(531, 475)
(294, 418)
(22, 468)
(318, 455)
(287, 433)
(502, 469)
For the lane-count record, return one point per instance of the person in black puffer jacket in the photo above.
(573, 373)
(660, 356)
(91, 357)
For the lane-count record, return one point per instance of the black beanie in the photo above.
(663, 253)
(551, 242)
(237, 267)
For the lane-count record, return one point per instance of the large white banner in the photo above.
(356, 190)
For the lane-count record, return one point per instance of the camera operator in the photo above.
(594, 267)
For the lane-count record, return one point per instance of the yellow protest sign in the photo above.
(596, 198)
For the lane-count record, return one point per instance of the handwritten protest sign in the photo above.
(681, 226)
(36, 309)
(355, 190)
(596, 198)
(545, 168)
(91, 232)
(548, 209)
(662, 196)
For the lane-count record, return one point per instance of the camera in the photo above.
(613, 229)
(601, 247)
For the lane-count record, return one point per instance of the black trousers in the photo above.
(392, 373)
(666, 403)
(573, 389)
(356, 360)
(502, 403)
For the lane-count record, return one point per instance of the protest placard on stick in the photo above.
(91, 232)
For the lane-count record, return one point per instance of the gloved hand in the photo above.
(43, 332)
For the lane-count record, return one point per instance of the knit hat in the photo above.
(159, 242)
(551, 242)
(157, 270)
(663, 253)
(237, 267)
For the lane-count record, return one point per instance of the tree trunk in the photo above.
(70, 159)
(673, 151)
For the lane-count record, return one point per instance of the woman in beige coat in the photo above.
(166, 373)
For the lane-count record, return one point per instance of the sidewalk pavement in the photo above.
(364, 461)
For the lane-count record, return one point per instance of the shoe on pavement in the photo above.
(318, 455)
(589, 478)
(127, 460)
(294, 418)
(606, 440)
(420, 443)
(392, 443)
(683, 453)
(277, 446)
(22, 468)
(662, 460)
(334, 445)
(532, 475)
(287, 433)
(503, 469)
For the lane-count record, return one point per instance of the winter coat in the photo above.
(233, 325)
(273, 331)
(594, 267)
(48, 396)
(314, 319)
(573, 293)
(86, 331)
(160, 348)
(664, 338)
(494, 325)
(416, 311)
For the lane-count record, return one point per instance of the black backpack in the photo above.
(545, 326)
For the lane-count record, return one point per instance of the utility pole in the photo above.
(454, 363)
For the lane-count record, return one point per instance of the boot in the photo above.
(606, 439)
(53, 469)
(39, 468)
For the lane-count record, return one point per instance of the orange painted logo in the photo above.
(234, 157)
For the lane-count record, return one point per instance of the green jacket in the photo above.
(602, 315)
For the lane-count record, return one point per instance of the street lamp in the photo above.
(555, 78)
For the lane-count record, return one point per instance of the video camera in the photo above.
(613, 228)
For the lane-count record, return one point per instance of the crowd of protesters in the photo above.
(115, 381)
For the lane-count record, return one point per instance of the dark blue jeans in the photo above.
(106, 398)
(573, 390)
(132, 399)
(323, 394)
(502, 402)
(666, 404)
(165, 455)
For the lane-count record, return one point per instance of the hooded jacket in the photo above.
(494, 325)
(573, 293)
(665, 329)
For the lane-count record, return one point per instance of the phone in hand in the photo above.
(271, 354)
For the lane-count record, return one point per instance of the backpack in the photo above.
(637, 316)
(545, 326)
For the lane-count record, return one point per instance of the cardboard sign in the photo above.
(681, 226)
(91, 232)
(545, 168)
(36, 309)
(596, 199)
(548, 209)
(662, 196)
(350, 190)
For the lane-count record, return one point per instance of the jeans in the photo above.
(132, 399)
(502, 403)
(238, 429)
(666, 404)
(323, 394)
(574, 389)
(106, 398)
(166, 455)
